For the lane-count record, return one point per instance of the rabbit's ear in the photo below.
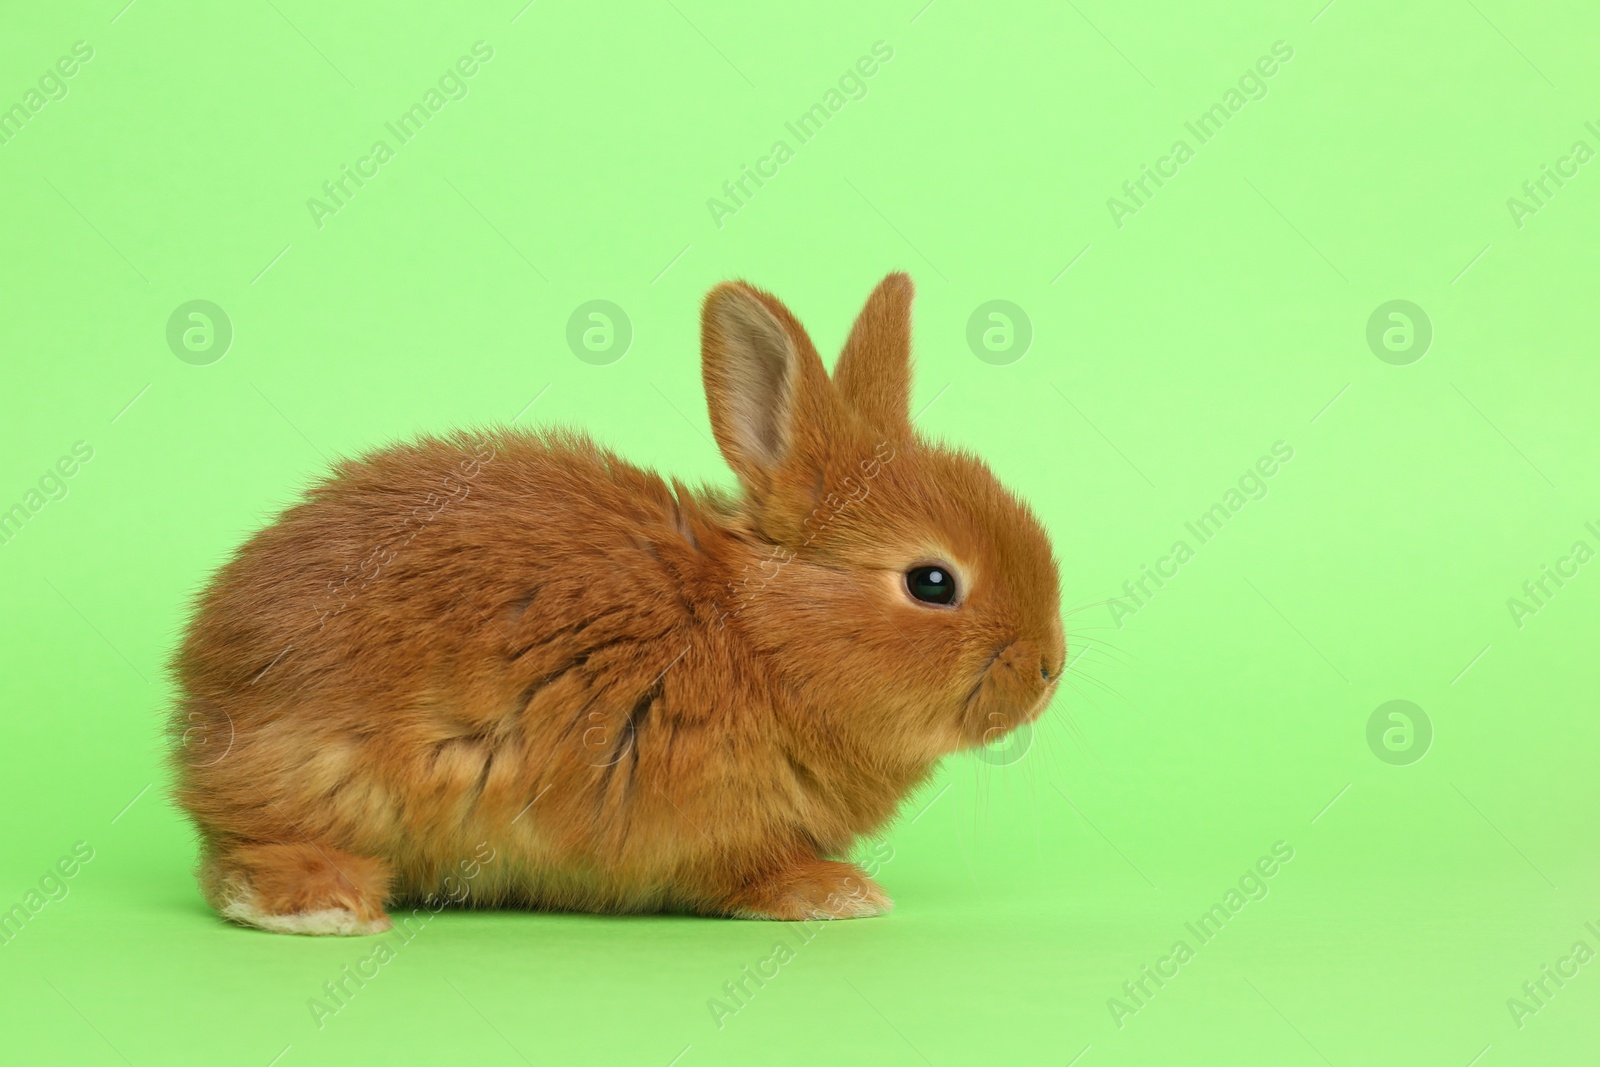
(874, 371)
(761, 376)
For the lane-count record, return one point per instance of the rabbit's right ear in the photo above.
(761, 376)
(874, 370)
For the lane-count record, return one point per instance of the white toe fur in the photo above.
(336, 922)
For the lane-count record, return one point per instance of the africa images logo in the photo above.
(1252, 886)
(452, 85)
(1252, 85)
(739, 190)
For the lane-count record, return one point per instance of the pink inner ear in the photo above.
(758, 367)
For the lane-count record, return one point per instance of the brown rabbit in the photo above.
(513, 668)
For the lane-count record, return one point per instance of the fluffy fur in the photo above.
(617, 693)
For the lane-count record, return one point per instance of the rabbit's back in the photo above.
(439, 634)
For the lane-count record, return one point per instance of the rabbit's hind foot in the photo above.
(301, 888)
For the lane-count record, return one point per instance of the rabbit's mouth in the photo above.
(1012, 690)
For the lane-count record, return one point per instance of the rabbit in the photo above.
(509, 668)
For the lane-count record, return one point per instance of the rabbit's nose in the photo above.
(1045, 670)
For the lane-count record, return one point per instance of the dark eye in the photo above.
(931, 585)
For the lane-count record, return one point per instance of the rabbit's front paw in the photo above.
(817, 889)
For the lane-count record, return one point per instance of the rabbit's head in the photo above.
(906, 595)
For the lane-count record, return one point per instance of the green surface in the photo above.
(1175, 340)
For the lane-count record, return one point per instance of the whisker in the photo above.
(1097, 683)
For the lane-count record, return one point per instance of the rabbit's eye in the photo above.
(931, 584)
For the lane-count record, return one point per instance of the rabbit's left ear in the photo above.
(770, 403)
(873, 374)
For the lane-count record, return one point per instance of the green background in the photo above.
(1228, 313)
